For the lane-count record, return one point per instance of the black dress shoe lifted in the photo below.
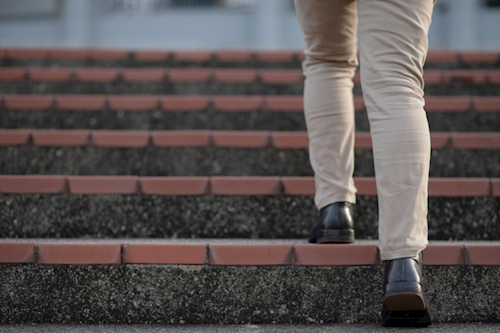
(334, 225)
(404, 303)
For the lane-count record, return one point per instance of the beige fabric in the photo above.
(393, 45)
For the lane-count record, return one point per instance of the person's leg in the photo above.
(330, 28)
(330, 31)
(393, 48)
(393, 43)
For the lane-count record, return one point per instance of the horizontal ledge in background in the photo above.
(157, 55)
(227, 139)
(220, 75)
(34, 184)
(223, 103)
(220, 254)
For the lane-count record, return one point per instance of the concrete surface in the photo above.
(151, 216)
(160, 294)
(204, 161)
(249, 121)
(333, 328)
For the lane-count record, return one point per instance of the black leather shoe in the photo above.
(334, 225)
(404, 303)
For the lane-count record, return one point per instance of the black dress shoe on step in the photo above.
(404, 303)
(334, 225)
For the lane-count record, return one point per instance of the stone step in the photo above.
(225, 75)
(244, 58)
(215, 88)
(269, 328)
(217, 153)
(282, 113)
(232, 283)
(221, 207)
(232, 81)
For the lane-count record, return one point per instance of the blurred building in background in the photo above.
(210, 24)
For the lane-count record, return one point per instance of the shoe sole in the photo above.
(404, 296)
(404, 302)
(409, 318)
(335, 236)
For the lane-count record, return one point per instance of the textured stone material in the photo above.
(150, 216)
(204, 161)
(232, 295)
(220, 120)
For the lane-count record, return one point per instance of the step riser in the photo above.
(232, 295)
(213, 120)
(150, 216)
(156, 161)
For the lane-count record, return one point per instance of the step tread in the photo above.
(269, 328)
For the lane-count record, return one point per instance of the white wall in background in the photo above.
(233, 24)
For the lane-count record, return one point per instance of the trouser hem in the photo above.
(401, 253)
(336, 198)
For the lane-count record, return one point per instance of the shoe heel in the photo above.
(404, 296)
(336, 236)
(417, 318)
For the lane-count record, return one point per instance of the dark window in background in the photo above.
(194, 3)
(492, 3)
(135, 6)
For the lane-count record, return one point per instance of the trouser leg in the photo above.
(330, 28)
(393, 47)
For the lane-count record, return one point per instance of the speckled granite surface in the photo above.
(132, 216)
(213, 120)
(157, 161)
(232, 295)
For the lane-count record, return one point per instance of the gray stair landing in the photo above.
(171, 294)
(312, 328)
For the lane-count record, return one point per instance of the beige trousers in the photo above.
(393, 46)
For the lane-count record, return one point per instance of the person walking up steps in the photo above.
(393, 47)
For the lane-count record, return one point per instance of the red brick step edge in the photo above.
(227, 139)
(234, 254)
(94, 185)
(233, 103)
(227, 75)
(204, 55)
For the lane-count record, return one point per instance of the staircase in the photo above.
(175, 187)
